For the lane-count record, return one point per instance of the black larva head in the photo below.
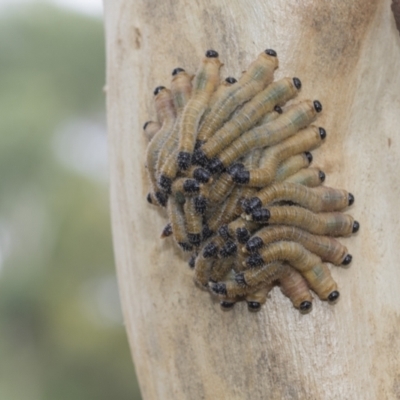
(206, 232)
(347, 259)
(200, 204)
(305, 307)
(242, 235)
(321, 175)
(333, 297)
(297, 83)
(253, 306)
(191, 186)
(167, 231)
(185, 246)
(149, 199)
(201, 175)
(261, 215)
(241, 176)
(231, 170)
(158, 90)
(199, 158)
(351, 199)
(309, 156)
(278, 109)
(249, 205)
(322, 133)
(194, 239)
(239, 278)
(211, 54)
(210, 250)
(219, 288)
(271, 52)
(215, 166)
(230, 80)
(184, 159)
(192, 261)
(176, 71)
(145, 125)
(224, 232)
(317, 106)
(356, 226)
(162, 198)
(226, 305)
(197, 145)
(228, 249)
(165, 183)
(255, 260)
(254, 244)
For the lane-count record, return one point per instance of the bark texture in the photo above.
(347, 54)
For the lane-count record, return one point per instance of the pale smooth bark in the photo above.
(347, 54)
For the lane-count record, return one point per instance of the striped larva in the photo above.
(310, 177)
(205, 82)
(315, 199)
(328, 248)
(181, 89)
(258, 75)
(292, 165)
(294, 286)
(331, 224)
(178, 225)
(320, 280)
(297, 117)
(150, 128)
(307, 139)
(277, 93)
(166, 113)
(194, 222)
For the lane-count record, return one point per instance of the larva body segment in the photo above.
(328, 248)
(185, 187)
(321, 282)
(258, 75)
(332, 224)
(314, 199)
(178, 225)
(181, 89)
(292, 165)
(294, 286)
(305, 140)
(194, 222)
(150, 128)
(205, 82)
(166, 113)
(239, 229)
(290, 122)
(220, 269)
(310, 177)
(275, 94)
(264, 275)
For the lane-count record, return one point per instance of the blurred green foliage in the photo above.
(60, 332)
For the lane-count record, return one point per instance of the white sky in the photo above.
(90, 7)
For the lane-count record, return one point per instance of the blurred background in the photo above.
(61, 329)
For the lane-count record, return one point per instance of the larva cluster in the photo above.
(230, 162)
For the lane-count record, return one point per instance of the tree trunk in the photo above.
(347, 55)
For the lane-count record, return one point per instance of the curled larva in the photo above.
(257, 299)
(297, 117)
(258, 75)
(238, 229)
(185, 187)
(150, 128)
(328, 248)
(320, 280)
(166, 114)
(205, 82)
(292, 165)
(315, 199)
(277, 93)
(178, 224)
(332, 223)
(295, 287)
(220, 268)
(194, 222)
(306, 139)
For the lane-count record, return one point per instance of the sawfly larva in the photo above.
(194, 222)
(292, 165)
(150, 128)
